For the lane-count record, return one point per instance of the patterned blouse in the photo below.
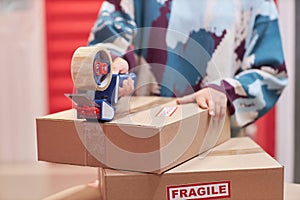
(177, 47)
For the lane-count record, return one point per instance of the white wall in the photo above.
(285, 109)
(22, 77)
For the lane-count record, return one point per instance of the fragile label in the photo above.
(215, 190)
(166, 111)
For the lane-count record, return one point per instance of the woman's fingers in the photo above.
(127, 87)
(208, 98)
(119, 66)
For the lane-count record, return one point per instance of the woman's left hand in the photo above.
(208, 98)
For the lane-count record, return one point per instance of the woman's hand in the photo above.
(120, 66)
(208, 98)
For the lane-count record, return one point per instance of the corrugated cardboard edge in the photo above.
(102, 184)
(123, 108)
(276, 172)
(274, 193)
(89, 159)
(223, 136)
(62, 149)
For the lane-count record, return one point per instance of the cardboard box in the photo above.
(237, 169)
(148, 134)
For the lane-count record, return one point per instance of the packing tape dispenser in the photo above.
(97, 87)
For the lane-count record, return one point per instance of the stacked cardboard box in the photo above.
(237, 169)
(149, 134)
(154, 134)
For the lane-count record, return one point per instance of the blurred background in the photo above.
(37, 40)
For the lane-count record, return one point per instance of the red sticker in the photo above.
(214, 190)
(167, 111)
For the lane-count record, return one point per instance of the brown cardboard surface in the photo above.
(237, 169)
(148, 134)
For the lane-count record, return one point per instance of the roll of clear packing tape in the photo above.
(90, 68)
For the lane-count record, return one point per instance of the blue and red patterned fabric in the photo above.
(234, 46)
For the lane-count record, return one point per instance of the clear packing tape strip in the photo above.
(105, 150)
(83, 68)
(254, 150)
